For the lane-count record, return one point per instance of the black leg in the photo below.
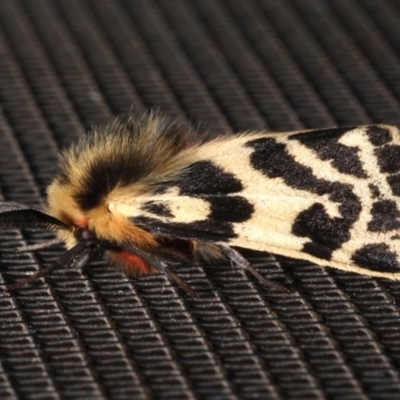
(161, 267)
(76, 257)
(239, 260)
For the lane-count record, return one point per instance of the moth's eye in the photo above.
(83, 234)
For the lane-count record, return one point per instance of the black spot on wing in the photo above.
(230, 209)
(317, 250)
(375, 192)
(206, 230)
(377, 257)
(210, 183)
(385, 216)
(160, 209)
(272, 160)
(325, 143)
(326, 233)
(200, 178)
(322, 134)
(394, 183)
(218, 225)
(350, 204)
(378, 136)
(388, 157)
(205, 178)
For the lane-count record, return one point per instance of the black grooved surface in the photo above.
(232, 64)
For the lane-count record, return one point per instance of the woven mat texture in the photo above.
(233, 65)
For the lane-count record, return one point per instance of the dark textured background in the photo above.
(233, 64)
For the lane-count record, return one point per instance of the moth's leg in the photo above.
(161, 267)
(76, 257)
(176, 278)
(239, 260)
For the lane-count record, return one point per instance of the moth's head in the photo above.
(100, 220)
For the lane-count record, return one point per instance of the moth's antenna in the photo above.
(15, 215)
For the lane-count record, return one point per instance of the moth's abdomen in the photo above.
(130, 263)
(167, 249)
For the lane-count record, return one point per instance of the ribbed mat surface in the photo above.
(234, 65)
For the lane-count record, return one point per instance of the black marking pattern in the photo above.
(159, 209)
(316, 224)
(326, 233)
(394, 183)
(325, 143)
(208, 182)
(203, 178)
(378, 136)
(388, 157)
(377, 257)
(375, 192)
(385, 216)
(231, 209)
(207, 230)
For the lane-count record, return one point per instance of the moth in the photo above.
(145, 191)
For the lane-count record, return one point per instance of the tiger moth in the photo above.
(145, 191)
